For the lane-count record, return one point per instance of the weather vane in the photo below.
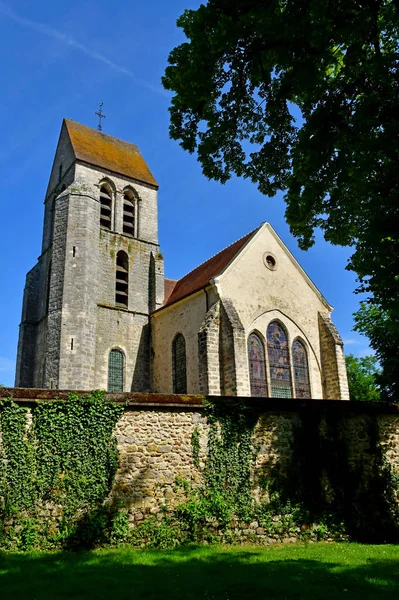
(100, 116)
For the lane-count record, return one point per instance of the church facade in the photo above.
(99, 314)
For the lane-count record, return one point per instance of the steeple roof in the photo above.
(102, 150)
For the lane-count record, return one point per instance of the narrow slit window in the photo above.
(301, 370)
(106, 208)
(179, 365)
(279, 361)
(122, 279)
(257, 369)
(128, 215)
(115, 371)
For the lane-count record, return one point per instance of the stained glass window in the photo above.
(301, 370)
(179, 365)
(115, 371)
(279, 361)
(257, 371)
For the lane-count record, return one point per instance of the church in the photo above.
(98, 312)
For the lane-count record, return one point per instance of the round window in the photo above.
(270, 261)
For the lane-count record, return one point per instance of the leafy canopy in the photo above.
(362, 377)
(301, 97)
(382, 329)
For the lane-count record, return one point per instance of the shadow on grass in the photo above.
(277, 573)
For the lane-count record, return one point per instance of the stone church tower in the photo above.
(100, 274)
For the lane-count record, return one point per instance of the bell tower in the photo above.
(85, 316)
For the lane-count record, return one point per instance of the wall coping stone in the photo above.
(139, 401)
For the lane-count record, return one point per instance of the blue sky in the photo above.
(62, 59)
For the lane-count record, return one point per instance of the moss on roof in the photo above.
(102, 150)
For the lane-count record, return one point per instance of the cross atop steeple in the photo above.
(100, 116)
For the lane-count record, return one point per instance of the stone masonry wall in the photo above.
(154, 440)
(79, 311)
(155, 448)
(27, 329)
(55, 304)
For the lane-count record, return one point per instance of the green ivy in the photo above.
(230, 453)
(76, 451)
(226, 493)
(195, 447)
(18, 462)
(67, 460)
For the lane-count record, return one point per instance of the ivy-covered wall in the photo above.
(165, 470)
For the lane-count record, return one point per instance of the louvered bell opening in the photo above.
(128, 217)
(105, 211)
(121, 286)
(121, 298)
(121, 280)
(121, 274)
(105, 221)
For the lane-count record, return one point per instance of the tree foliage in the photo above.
(301, 97)
(362, 377)
(382, 329)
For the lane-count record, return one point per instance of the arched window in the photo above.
(106, 207)
(257, 371)
(122, 279)
(301, 370)
(179, 365)
(279, 361)
(115, 371)
(128, 214)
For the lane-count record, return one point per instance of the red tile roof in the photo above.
(200, 277)
(102, 150)
(169, 286)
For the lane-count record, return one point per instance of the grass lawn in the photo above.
(247, 573)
